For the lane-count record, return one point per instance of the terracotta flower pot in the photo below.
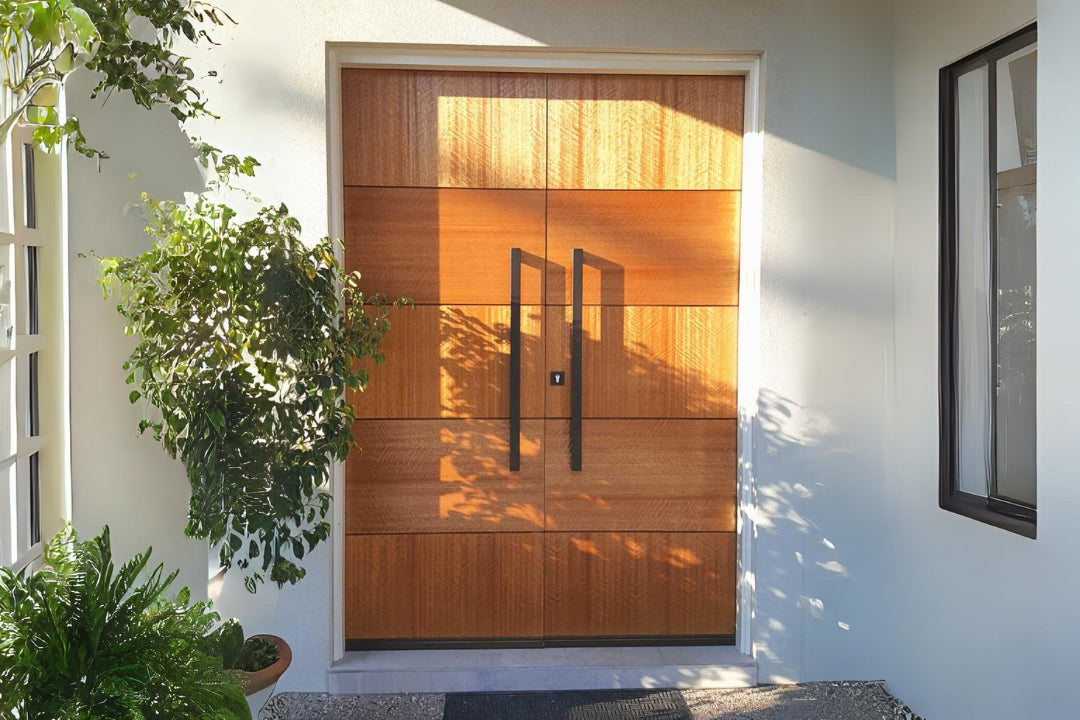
(262, 679)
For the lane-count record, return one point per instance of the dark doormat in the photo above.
(577, 705)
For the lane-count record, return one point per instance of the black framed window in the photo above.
(989, 157)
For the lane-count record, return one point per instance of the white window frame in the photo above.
(16, 549)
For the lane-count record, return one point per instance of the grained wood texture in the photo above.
(445, 173)
(484, 585)
(647, 362)
(421, 128)
(611, 584)
(645, 132)
(656, 475)
(454, 361)
(645, 247)
(448, 247)
(443, 476)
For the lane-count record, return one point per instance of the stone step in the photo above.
(443, 671)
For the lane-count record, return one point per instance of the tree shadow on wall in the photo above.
(791, 441)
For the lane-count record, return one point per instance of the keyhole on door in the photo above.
(558, 378)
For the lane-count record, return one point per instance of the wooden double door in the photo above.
(544, 224)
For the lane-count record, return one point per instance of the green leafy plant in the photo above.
(42, 41)
(130, 42)
(258, 653)
(82, 640)
(236, 653)
(151, 71)
(247, 343)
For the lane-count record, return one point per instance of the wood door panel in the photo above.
(419, 476)
(645, 584)
(454, 361)
(655, 362)
(445, 173)
(421, 128)
(484, 585)
(448, 247)
(642, 475)
(645, 132)
(645, 247)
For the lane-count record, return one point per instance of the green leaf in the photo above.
(41, 115)
(85, 32)
(217, 418)
(231, 642)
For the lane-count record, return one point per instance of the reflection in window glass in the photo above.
(973, 282)
(1014, 416)
(1017, 139)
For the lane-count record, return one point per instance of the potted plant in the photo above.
(260, 659)
(248, 340)
(80, 639)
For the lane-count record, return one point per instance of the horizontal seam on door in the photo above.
(566, 305)
(440, 187)
(629, 305)
(539, 532)
(549, 417)
(545, 189)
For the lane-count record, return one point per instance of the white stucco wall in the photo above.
(979, 623)
(826, 277)
(118, 478)
(858, 573)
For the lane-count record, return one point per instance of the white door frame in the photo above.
(583, 60)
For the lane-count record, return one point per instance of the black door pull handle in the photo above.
(576, 365)
(515, 359)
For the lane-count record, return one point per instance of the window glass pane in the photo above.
(32, 290)
(973, 283)
(1015, 265)
(5, 187)
(29, 187)
(35, 499)
(33, 412)
(22, 503)
(7, 322)
(7, 527)
(7, 409)
(1017, 138)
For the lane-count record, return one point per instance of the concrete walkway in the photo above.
(811, 701)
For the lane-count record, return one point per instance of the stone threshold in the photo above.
(449, 671)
